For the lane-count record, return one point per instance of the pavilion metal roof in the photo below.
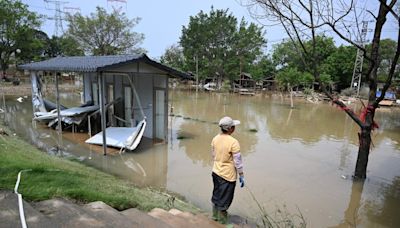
(96, 64)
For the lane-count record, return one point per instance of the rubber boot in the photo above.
(223, 219)
(215, 214)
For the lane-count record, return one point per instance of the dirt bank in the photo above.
(7, 88)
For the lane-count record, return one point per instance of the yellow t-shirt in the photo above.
(224, 146)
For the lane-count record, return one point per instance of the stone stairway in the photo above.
(64, 213)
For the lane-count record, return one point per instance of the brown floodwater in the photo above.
(295, 159)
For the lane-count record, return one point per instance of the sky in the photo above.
(162, 20)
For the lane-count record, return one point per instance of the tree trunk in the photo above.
(291, 96)
(4, 67)
(363, 153)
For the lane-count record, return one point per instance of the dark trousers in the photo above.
(222, 193)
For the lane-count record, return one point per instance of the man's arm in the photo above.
(237, 158)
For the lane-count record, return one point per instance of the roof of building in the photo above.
(245, 75)
(96, 64)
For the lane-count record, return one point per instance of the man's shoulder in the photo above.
(216, 137)
(225, 137)
(233, 139)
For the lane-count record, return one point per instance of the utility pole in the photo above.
(58, 28)
(358, 64)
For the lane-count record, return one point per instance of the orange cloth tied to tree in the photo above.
(364, 113)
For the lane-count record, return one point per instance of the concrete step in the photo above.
(170, 219)
(67, 214)
(208, 222)
(201, 220)
(198, 220)
(109, 215)
(175, 211)
(143, 219)
(9, 213)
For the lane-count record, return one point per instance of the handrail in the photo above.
(122, 120)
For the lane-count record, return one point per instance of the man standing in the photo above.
(227, 163)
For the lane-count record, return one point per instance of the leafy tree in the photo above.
(220, 46)
(387, 51)
(105, 34)
(17, 31)
(290, 78)
(340, 65)
(263, 69)
(287, 53)
(174, 57)
(32, 48)
(62, 46)
(248, 45)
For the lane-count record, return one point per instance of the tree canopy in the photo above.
(173, 57)
(220, 46)
(62, 46)
(105, 34)
(18, 32)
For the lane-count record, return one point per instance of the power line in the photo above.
(58, 27)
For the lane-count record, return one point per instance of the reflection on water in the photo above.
(300, 157)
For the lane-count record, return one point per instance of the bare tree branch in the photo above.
(390, 8)
(372, 14)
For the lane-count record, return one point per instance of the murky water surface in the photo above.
(298, 158)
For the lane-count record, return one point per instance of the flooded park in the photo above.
(300, 160)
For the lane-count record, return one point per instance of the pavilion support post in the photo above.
(59, 131)
(100, 81)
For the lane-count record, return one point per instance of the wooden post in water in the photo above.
(33, 76)
(59, 131)
(100, 81)
(4, 99)
(197, 73)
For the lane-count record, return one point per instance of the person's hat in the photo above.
(227, 122)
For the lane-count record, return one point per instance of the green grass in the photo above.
(52, 177)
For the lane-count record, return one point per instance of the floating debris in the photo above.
(3, 132)
(180, 137)
(184, 135)
(20, 99)
(253, 130)
(44, 136)
(195, 119)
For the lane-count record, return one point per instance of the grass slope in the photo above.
(51, 177)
